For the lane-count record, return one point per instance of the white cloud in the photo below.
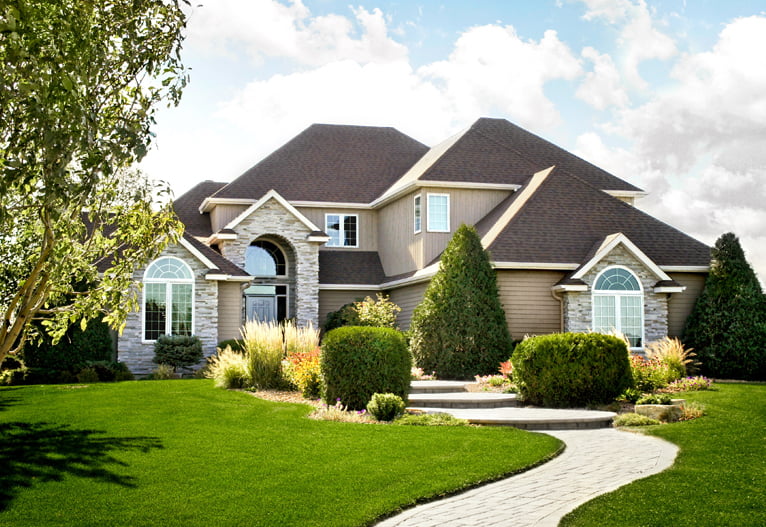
(268, 28)
(601, 87)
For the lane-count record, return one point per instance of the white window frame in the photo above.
(417, 213)
(341, 216)
(618, 294)
(429, 226)
(168, 297)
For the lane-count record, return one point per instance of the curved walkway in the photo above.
(594, 462)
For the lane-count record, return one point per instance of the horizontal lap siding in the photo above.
(530, 309)
(332, 300)
(408, 299)
(680, 304)
(229, 310)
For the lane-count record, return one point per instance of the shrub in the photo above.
(459, 329)
(305, 373)
(13, 377)
(571, 369)
(655, 398)
(88, 374)
(727, 326)
(177, 351)
(648, 374)
(264, 350)
(385, 406)
(672, 353)
(438, 419)
(630, 395)
(381, 313)
(689, 384)
(228, 368)
(691, 410)
(339, 412)
(360, 361)
(417, 374)
(234, 344)
(163, 372)
(73, 351)
(633, 419)
(346, 315)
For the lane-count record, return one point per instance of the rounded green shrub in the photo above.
(385, 406)
(177, 351)
(360, 361)
(74, 351)
(565, 370)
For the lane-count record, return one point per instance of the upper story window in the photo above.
(342, 230)
(263, 258)
(618, 304)
(417, 214)
(438, 213)
(168, 299)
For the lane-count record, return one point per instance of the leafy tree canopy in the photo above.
(80, 83)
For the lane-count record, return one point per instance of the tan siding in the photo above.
(529, 306)
(408, 299)
(367, 235)
(400, 248)
(680, 304)
(229, 310)
(221, 215)
(332, 300)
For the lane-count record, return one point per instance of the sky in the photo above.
(669, 95)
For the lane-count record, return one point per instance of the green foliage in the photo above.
(346, 315)
(571, 369)
(386, 406)
(178, 351)
(75, 349)
(368, 312)
(460, 329)
(81, 83)
(654, 398)
(630, 395)
(163, 372)
(649, 374)
(88, 374)
(234, 344)
(438, 419)
(304, 371)
(228, 368)
(689, 384)
(360, 361)
(727, 326)
(633, 419)
(264, 351)
(672, 353)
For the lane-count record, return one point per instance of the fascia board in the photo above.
(612, 241)
(349, 287)
(201, 257)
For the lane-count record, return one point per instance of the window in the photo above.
(168, 299)
(438, 213)
(618, 304)
(263, 258)
(417, 214)
(342, 230)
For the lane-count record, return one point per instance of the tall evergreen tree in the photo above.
(460, 330)
(727, 327)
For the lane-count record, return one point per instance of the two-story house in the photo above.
(342, 212)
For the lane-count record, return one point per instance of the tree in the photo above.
(80, 83)
(460, 330)
(727, 326)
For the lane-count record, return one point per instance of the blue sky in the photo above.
(669, 95)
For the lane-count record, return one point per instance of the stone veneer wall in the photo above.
(578, 307)
(137, 353)
(272, 219)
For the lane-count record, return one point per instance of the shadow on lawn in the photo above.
(37, 452)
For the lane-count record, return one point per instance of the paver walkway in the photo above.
(594, 462)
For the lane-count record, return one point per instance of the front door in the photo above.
(261, 308)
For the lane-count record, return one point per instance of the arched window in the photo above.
(168, 299)
(263, 258)
(618, 304)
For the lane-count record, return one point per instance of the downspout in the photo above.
(561, 310)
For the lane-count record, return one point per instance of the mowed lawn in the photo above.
(186, 453)
(718, 479)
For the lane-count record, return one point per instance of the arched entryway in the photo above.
(271, 262)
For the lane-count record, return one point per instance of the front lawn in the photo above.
(185, 453)
(719, 477)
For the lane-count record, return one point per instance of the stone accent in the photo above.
(578, 306)
(274, 221)
(137, 353)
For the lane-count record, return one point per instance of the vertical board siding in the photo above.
(530, 309)
(680, 304)
(229, 310)
(408, 299)
(221, 215)
(367, 228)
(330, 300)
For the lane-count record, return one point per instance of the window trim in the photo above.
(168, 297)
(417, 213)
(429, 228)
(342, 229)
(617, 293)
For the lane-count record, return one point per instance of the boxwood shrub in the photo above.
(178, 351)
(566, 370)
(360, 361)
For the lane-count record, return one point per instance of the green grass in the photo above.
(719, 477)
(186, 453)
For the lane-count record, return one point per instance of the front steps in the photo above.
(490, 408)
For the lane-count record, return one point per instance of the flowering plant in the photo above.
(689, 384)
(303, 371)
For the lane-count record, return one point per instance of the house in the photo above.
(342, 212)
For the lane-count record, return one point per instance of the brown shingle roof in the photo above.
(350, 267)
(336, 163)
(187, 207)
(222, 264)
(563, 220)
(497, 151)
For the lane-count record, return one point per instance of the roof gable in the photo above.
(187, 206)
(274, 195)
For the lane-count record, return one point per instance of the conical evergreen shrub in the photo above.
(460, 330)
(727, 327)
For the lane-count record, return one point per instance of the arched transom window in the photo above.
(263, 258)
(618, 304)
(168, 299)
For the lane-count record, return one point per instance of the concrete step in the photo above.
(530, 418)
(463, 400)
(438, 386)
